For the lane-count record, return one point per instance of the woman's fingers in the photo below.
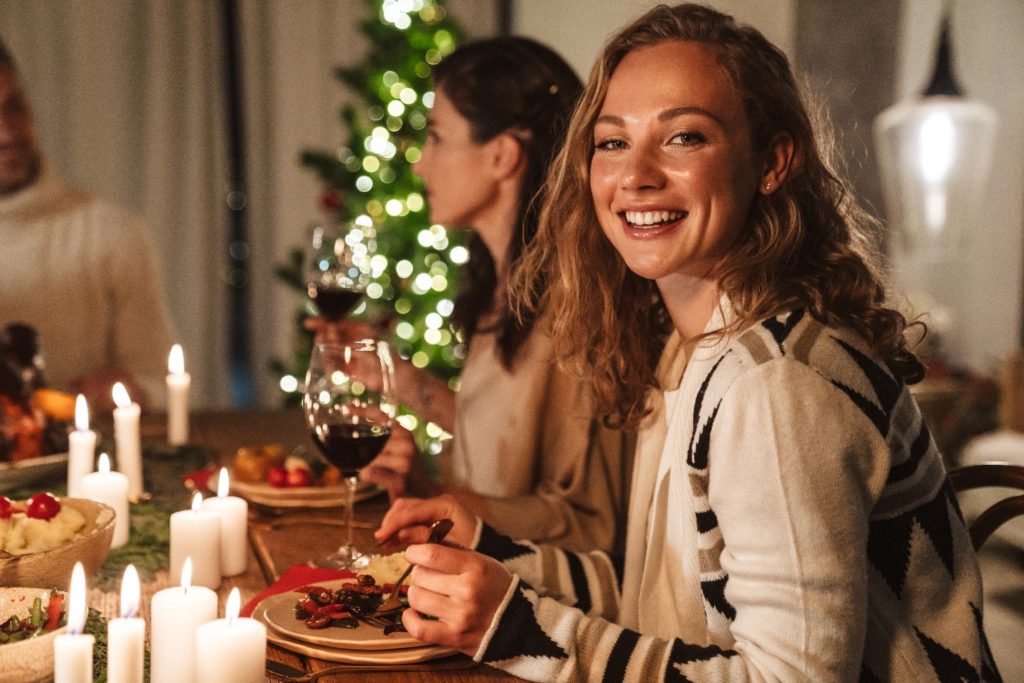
(408, 518)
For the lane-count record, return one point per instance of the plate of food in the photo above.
(32, 470)
(33, 434)
(30, 619)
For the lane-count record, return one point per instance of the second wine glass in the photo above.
(336, 276)
(350, 407)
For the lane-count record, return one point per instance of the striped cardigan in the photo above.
(790, 520)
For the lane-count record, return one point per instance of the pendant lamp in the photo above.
(934, 153)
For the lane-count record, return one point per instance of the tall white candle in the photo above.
(126, 635)
(195, 533)
(110, 488)
(178, 382)
(232, 649)
(234, 517)
(175, 614)
(72, 650)
(81, 448)
(126, 438)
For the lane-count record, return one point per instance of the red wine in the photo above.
(350, 446)
(334, 303)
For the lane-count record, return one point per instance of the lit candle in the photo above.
(175, 614)
(195, 533)
(110, 488)
(126, 437)
(126, 635)
(178, 382)
(234, 515)
(81, 448)
(72, 651)
(232, 649)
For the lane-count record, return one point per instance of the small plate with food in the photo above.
(30, 619)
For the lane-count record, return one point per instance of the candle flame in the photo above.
(121, 397)
(233, 605)
(197, 502)
(130, 592)
(81, 414)
(186, 574)
(176, 361)
(223, 484)
(76, 600)
(103, 465)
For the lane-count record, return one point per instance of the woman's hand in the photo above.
(460, 587)
(341, 331)
(398, 468)
(409, 519)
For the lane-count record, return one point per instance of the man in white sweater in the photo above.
(80, 271)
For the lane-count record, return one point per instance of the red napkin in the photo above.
(296, 576)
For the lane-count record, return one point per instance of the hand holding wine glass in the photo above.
(350, 408)
(336, 276)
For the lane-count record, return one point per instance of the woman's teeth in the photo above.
(650, 218)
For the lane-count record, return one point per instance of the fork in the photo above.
(438, 530)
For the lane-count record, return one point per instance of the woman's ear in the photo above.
(777, 162)
(507, 158)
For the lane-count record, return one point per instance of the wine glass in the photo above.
(337, 270)
(350, 407)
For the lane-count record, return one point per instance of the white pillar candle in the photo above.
(110, 488)
(81, 448)
(234, 517)
(178, 382)
(195, 533)
(232, 649)
(126, 438)
(176, 614)
(72, 650)
(126, 635)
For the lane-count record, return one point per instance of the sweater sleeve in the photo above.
(793, 473)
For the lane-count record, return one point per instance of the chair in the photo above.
(991, 474)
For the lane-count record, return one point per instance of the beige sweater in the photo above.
(83, 273)
(528, 441)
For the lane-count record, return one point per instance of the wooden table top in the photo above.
(281, 538)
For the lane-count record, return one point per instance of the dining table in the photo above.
(282, 537)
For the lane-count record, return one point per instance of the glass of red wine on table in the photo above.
(350, 407)
(338, 269)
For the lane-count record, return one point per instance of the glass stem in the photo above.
(352, 483)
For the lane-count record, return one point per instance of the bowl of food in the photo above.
(42, 538)
(30, 620)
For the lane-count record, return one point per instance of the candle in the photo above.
(72, 651)
(178, 382)
(81, 448)
(126, 437)
(175, 614)
(195, 533)
(234, 515)
(232, 650)
(110, 488)
(126, 635)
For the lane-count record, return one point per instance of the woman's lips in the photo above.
(651, 224)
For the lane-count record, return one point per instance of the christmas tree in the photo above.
(369, 182)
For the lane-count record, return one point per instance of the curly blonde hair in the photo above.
(807, 244)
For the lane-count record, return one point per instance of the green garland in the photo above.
(96, 626)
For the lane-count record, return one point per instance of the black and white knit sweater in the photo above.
(790, 520)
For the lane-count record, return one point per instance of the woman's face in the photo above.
(673, 174)
(453, 167)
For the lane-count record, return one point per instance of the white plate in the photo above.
(297, 496)
(25, 661)
(410, 655)
(25, 472)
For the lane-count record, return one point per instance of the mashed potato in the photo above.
(21, 535)
(386, 568)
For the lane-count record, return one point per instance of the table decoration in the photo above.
(81, 447)
(126, 635)
(234, 515)
(195, 533)
(110, 488)
(178, 383)
(72, 651)
(176, 614)
(232, 649)
(126, 436)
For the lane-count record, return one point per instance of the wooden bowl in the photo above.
(26, 661)
(52, 568)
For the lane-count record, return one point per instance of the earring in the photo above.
(766, 187)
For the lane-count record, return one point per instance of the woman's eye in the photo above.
(689, 138)
(610, 144)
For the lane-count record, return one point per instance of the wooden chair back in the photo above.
(986, 475)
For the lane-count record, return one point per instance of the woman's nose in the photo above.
(642, 171)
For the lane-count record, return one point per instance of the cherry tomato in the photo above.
(6, 508)
(299, 477)
(43, 506)
(277, 477)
